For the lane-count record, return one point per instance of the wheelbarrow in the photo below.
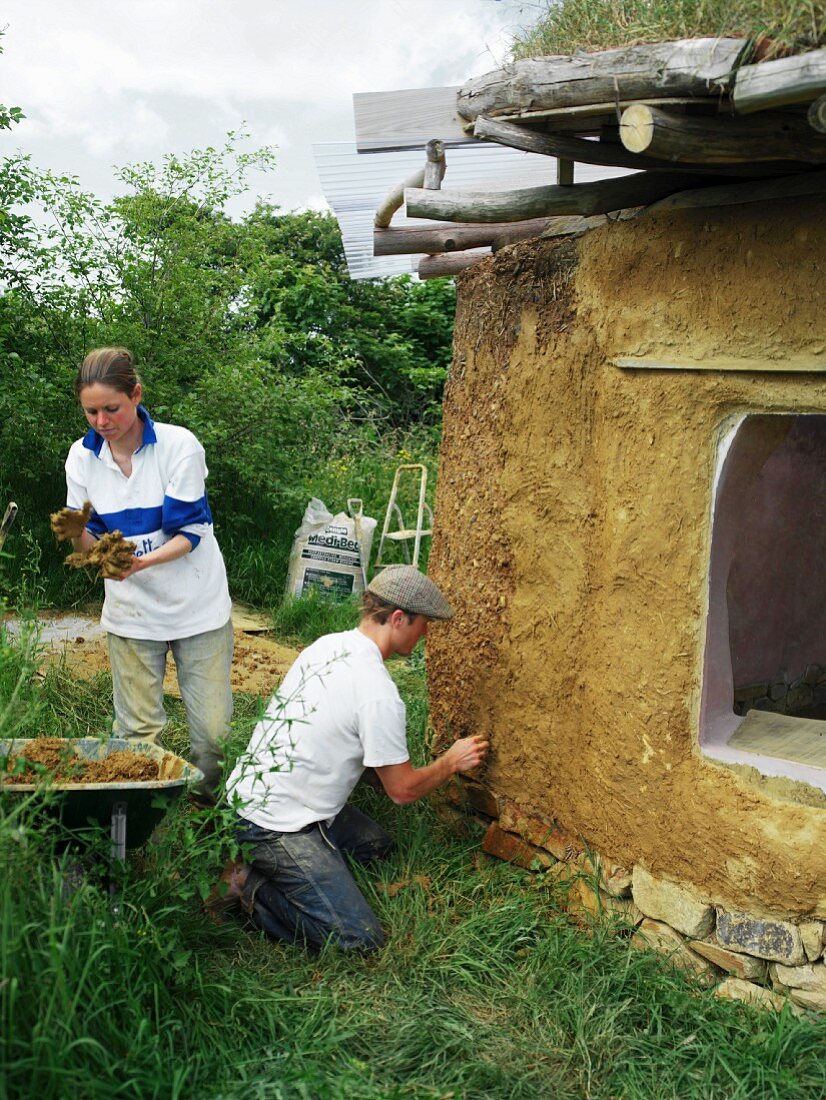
(131, 810)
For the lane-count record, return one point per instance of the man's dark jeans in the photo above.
(300, 888)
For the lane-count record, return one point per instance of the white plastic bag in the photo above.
(331, 553)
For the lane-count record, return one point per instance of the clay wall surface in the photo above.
(573, 531)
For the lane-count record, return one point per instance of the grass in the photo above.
(566, 26)
(484, 988)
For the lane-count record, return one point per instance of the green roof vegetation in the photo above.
(571, 26)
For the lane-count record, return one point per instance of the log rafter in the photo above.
(695, 67)
(612, 153)
(770, 136)
(585, 199)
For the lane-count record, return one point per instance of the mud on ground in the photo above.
(53, 759)
(258, 665)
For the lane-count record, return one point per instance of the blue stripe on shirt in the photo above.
(184, 513)
(130, 521)
(96, 525)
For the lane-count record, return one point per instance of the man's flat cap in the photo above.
(405, 587)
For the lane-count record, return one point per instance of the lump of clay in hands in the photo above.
(111, 554)
(70, 523)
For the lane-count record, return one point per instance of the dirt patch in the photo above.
(258, 665)
(53, 760)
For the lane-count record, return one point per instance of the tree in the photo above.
(249, 332)
(390, 341)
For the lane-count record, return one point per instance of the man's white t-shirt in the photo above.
(336, 713)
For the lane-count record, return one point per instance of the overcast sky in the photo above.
(111, 82)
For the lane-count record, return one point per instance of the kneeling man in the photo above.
(336, 713)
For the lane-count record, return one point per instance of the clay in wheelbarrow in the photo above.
(78, 803)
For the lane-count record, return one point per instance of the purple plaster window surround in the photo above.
(766, 620)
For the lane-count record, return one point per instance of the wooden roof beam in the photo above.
(796, 79)
(694, 67)
(596, 152)
(713, 141)
(816, 115)
(437, 267)
(585, 199)
(448, 237)
(735, 194)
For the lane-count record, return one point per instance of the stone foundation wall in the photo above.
(763, 961)
(804, 697)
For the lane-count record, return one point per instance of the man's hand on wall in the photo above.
(467, 753)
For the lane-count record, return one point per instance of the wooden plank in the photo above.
(734, 194)
(792, 364)
(597, 152)
(586, 199)
(773, 136)
(695, 67)
(783, 737)
(407, 119)
(778, 83)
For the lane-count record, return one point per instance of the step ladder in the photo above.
(404, 534)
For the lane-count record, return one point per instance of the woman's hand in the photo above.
(70, 523)
(177, 547)
(138, 563)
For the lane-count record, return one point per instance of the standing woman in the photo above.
(147, 480)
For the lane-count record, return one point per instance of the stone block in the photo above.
(656, 936)
(809, 999)
(583, 899)
(811, 978)
(811, 934)
(618, 883)
(620, 907)
(741, 966)
(799, 698)
(736, 989)
(503, 845)
(653, 935)
(673, 904)
(474, 795)
(777, 941)
(564, 874)
(539, 830)
(611, 877)
(777, 690)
